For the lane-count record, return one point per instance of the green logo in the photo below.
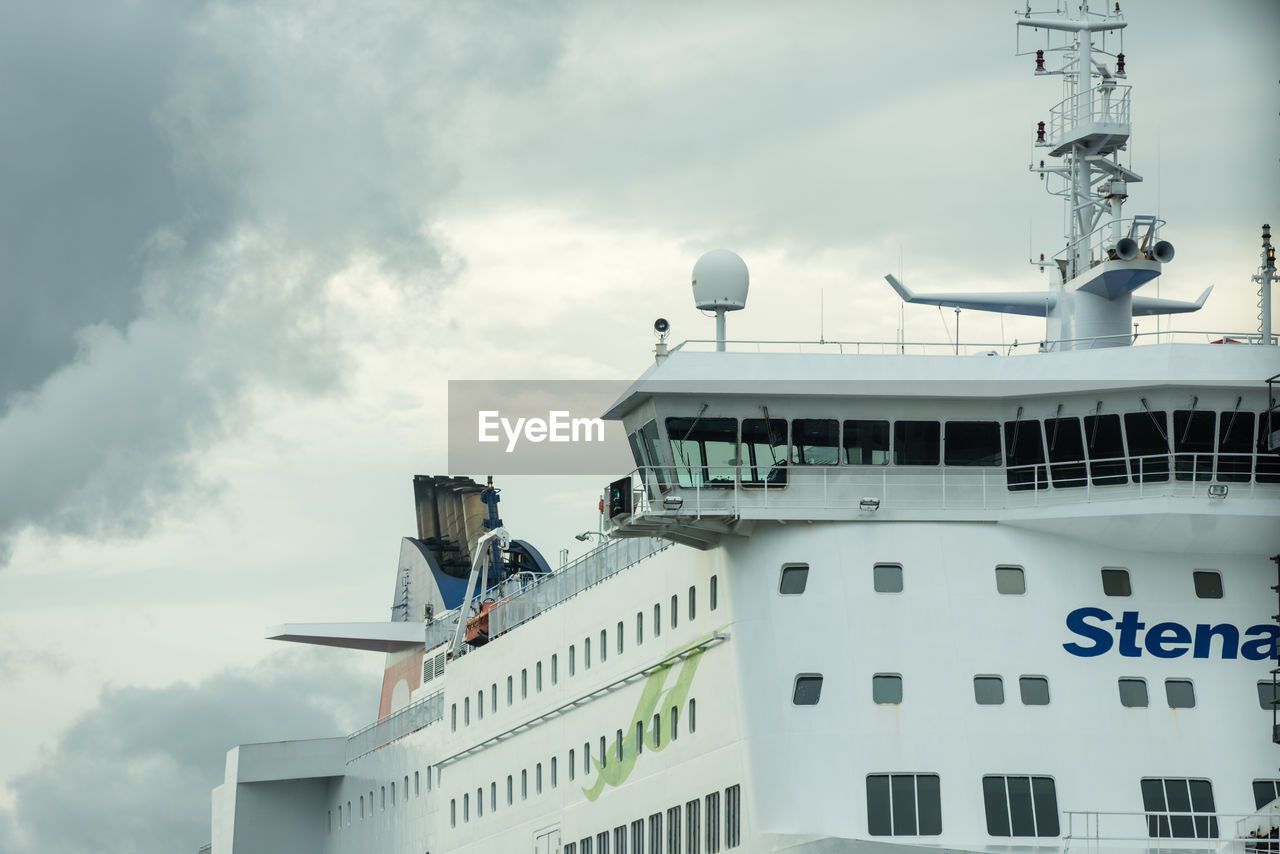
(652, 698)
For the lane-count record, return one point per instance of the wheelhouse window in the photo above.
(1268, 466)
(916, 443)
(651, 444)
(1020, 806)
(1235, 446)
(904, 805)
(1179, 809)
(1066, 452)
(704, 450)
(1148, 445)
(1193, 445)
(1024, 451)
(764, 451)
(866, 443)
(1267, 695)
(1106, 450)
(815, 442)
(972, 443)
(1264, 792)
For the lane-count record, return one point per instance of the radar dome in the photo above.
(720, 281)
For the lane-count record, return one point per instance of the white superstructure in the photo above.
(852, 600)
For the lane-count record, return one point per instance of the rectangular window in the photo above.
(712, 804)
(652, 445)
(1193, 444)
(693, 715)
(704, 449)
(1180, 693)
(692, 836)
(1024, 451)
(1010, 580)
(466, 807)
(479, 803)
(618, 746)
(453, 717)
(656, 729)
(555, 671)
(673, 830)
(604, 753)
(655, 833)
(733, 817)
(584, 845)
(866, 443)
(537, 779)
(764, 452)
(1106, 450)
(604, 646)
(693, 609)
(553, 772)
(639, 628)
(480, 705)
(675, 611)
(572, 765)
(493, 697)
(795, 577)
(815, 442)
(972, 443)
(1264, 792)
(1235, 447)
(493, 796)
(637, 836)
(639, 737)
(524, 683)
(1020, 806)
(1208, 583)
(806, 691)
(417, 790)
(988, 690)
(571, 660)
(619, 634)
(602, 842)
(1148, 437)
(904, 805)
(571, 848)
(886, 688)
(1267, 695)
(657, 620)
(620, 839)
(466, 711)
(537, 677)
(1034, 690)
(510, 690)
(453, 812)
(1115, 581)
(586, 757)
(916, 443)
(714, 598)
(1179, 809)
(586, 653)
(887, 578)
(1066, 452)
(1133, 693)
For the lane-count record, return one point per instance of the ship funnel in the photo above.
(720, 281)
(1163, 252)
(1127, 249)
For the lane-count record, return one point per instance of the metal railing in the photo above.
(691, 490)
(536, 593)
(1155, 831)
(1102, 105)
(413, 717)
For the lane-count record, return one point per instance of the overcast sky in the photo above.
(243, 247)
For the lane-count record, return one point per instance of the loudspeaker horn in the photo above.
(1163, 252)
(1127, 249)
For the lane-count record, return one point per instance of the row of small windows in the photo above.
(368, 806)
(988, 690)
(602, 650)
(1010, 580)
(1064, 452)
(1027, 806)
(608, 752)
(685, 835)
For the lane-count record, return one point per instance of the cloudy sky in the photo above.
(243, 248)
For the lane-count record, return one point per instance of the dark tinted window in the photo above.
(1115, 581)
(1264, 792)
(1020, 806)
(1034, 690)
(1208, 583)
(1024, 452)
(887, 578)
(1010, 580)
(887, 688)
(815, 441)
(633, 439)
(1066, 451)
(1133, 693)
(988, 690)
(916, 443)
(973, 443)
(1269, 447)
(1106, 449)
(1266, 693)
(866, 443)
(1180, 693)
(1148, 445)
(1193, 445)
(764, 451)
(1179, 808)
(904, 805)
(808, 690)
(795, 577)
(652, 447)
(1235, 446)
(704, 450)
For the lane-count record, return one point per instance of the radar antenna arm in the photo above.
(1029, 303)
(1152, 305)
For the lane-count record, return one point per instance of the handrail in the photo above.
(1092, 830)
(413, 717)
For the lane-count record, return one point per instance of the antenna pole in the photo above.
(1265, 276)
(719, 330)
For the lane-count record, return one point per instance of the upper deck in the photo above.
(726, 438)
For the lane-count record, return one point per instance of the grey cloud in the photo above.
(134, 774)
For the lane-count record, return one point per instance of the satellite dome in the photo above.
(720, 281)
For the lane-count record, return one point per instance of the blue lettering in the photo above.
(1129, 627)
(1264, 647)
(1204, 637)
(1101, 637)
(1162, 636)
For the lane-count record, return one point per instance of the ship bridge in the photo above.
(726, 441)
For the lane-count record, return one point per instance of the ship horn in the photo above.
(1127, 249)
(1163, 252)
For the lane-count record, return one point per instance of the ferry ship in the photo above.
(855, 597)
